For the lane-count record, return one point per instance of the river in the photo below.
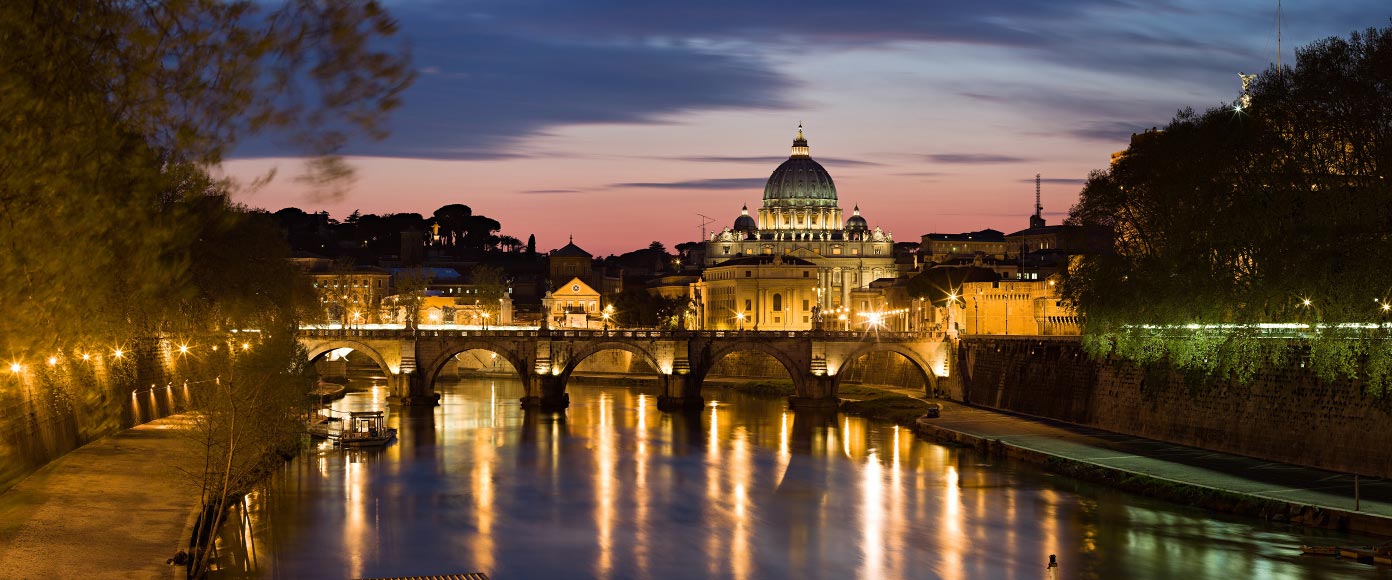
(744, 488)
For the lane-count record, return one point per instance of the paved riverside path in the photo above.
(1265, 479)
(114, 508)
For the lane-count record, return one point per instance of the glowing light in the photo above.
(1305, 302)
(53, 360)
(246, 346)
(86, 357)
(183, 349)
(16, 367)
(119, 353)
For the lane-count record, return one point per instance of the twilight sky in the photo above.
(619, 121)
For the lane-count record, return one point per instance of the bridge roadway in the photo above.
(545, 359)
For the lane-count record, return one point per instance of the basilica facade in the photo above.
(801, 218)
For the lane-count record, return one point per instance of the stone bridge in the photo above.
(545, 359)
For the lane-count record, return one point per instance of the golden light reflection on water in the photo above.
(950, 538)
(604, 486)
(481, 485)
(714, 528)
(640, 483)
(872, 512)
(612, 487)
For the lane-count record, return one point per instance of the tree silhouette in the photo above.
(1239, 216)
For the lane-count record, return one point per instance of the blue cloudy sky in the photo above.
(619, 121)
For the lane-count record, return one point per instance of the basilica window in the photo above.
(748, 305)
(777, 302)
(836, 250)
(806, 305)
(855, 251)
(727, 249)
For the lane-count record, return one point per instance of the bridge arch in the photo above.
(915, 359)
(319, 349)
(796, 369)
(430, 370)
(594, 348)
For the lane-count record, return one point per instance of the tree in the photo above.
(241, 424)
(410, 288)
(531, 245)
(490, 285)
(453, 220)
(112, 115)
(509, 244)
(1247, 215)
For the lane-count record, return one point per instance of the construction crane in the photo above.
(705, 221)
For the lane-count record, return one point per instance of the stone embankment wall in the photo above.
(1282, 414)
(47, 411)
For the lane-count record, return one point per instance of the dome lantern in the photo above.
(800, 148)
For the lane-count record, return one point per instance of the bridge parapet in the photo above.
(830, 335)
(545, 359)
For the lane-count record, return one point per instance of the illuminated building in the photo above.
(801, 218)
(770, 292)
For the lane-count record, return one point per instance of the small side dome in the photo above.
(744, 223)
(856, 223)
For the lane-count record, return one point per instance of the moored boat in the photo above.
(364, 429)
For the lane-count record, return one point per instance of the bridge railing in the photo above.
(624, 333)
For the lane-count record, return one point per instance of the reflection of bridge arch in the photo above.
(319, 350)
(915, 360)
(431, 369)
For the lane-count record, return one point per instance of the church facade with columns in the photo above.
(801, 218)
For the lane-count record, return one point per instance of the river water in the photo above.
(744, 488)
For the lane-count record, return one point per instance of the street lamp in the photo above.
(605, 314)
(485, 320)
(740, 317)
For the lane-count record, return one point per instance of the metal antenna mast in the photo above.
(707, 220)
(1038, 207)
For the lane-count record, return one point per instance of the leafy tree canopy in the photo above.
(113, 114)
(1271, 209)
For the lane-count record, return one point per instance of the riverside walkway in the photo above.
(1327, 495)
(114, 508)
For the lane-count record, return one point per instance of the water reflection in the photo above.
(743, 488)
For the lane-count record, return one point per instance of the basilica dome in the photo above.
(800, 181)
(745, 223)
(856, 223)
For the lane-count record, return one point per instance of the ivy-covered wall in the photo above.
(1283, 413)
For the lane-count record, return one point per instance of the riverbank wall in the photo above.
(52, 409)
(1282, 414)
